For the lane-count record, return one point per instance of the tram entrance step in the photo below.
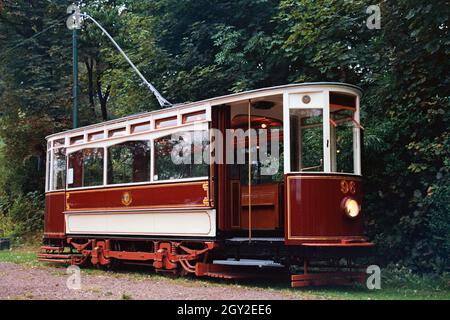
(52, 248)
(227, 271)
(256, 239)
(249, 262)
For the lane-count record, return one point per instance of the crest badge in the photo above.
(126, 198)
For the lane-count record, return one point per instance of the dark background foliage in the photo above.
(196, 49)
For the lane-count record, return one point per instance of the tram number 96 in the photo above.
(348, 186)
(246, 309)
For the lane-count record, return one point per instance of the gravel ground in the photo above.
(49, 282)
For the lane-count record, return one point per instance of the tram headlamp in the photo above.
(351, 207)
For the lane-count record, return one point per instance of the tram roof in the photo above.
(212, 101)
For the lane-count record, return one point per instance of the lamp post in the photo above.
(74, 23)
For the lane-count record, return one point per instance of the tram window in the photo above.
(306, 139)
(341, 130)
(180, 156)
(59, 169)
(96, 135)
(140, 127)
(59, 143)
(85, 168)
(342, 99)
(76, 140)
(117, 132)
(194, 116)
(48, 170)
(166, 122)
(129, 162)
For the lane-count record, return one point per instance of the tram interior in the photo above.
(264, 197)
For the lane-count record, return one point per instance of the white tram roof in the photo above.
(188, 107)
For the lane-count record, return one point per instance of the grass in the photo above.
(388, 292)
(396, 284)
(23, 255)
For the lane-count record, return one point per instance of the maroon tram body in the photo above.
(216, 222)
(313, 218)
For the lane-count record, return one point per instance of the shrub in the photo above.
(25, 215)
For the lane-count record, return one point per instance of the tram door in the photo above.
(257, 193)
(242, 203)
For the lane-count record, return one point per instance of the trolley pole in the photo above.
(73, 23)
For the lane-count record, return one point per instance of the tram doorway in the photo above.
(254, 180)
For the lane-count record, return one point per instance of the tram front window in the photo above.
(306, 139)
(342, 136)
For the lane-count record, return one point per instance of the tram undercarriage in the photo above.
(232, 258)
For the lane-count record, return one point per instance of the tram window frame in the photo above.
(155, 158)
(48, 168)
(338, 154)
(148, 162)
(348, 101)
(71, 175)
(344, 102)
(53, 147)
(192, 117)
(53, 183)
(296, 132)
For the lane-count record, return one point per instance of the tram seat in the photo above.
(265, 206)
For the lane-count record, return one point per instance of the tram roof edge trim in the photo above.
(206, 101)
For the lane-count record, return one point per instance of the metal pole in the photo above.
(75, 79)
(249, 172)
(73, 23)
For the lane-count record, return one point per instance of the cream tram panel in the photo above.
(307, 100)
(150, 223)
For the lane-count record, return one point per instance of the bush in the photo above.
(6, 226)
(24, 216)
(401, 277)
(438, 226)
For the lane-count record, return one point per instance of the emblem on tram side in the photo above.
(126, 198)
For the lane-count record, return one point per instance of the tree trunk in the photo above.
(102, 97)
(91, 92)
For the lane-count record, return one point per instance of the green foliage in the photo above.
(401, 277)
(24, 215)
(27, 213)
(407, 173)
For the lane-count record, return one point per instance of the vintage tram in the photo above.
(115, 194)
